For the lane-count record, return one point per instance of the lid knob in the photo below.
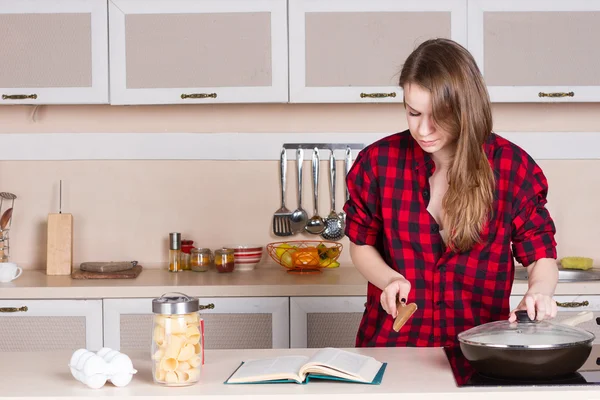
(522, 316)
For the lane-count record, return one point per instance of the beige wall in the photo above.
(125, 209)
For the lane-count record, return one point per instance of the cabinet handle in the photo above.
(377, 95)
(209, 306)
(19, 96)
(198, 95)
(557, 94)
(573, 304)
(13, 309)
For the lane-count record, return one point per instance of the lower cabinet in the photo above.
(317, 322)
(569, 306)
(234, 323)
(46, 325)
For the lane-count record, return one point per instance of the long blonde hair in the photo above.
(461, 107)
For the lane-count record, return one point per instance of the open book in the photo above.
(327, 363)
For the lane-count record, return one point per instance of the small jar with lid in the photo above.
(224, 260)
(201, 259)
(177, 340)
(186, 249)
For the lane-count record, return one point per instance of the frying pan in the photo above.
(527, 349)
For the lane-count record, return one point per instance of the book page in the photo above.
(286, 367)
(343, 364)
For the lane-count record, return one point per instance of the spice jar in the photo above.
(177, 340)
(174, 252)
(200, 259)
(186, 248)
(224, 260)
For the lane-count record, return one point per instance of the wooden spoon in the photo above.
(405, 311)
(5, 218)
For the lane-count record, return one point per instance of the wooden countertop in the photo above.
(343, 281)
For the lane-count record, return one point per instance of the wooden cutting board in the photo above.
(127, 274)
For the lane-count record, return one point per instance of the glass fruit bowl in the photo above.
(305, 256)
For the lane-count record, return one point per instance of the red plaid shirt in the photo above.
(389, 193)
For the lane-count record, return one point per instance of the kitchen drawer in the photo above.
(234, 323)
(317, 322)
(46, 325)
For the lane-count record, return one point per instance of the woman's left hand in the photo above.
(539, 306)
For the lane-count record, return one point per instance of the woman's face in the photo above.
(423, 129)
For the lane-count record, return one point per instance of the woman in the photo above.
(434, 211)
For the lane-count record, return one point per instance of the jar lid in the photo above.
(175, 305)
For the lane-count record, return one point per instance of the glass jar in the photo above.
(186, 249)
(174, 252)
(201, 259)
(177, 340)
(224, 260)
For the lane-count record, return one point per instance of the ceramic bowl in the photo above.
(246, 256)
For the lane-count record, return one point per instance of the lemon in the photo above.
(286, 259)
(281, 249)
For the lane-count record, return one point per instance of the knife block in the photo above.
(59, 251)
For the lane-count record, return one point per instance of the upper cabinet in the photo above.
(53, 52)
(198, 51)
(352, 51)
(537, 50)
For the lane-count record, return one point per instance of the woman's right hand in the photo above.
(398, 288)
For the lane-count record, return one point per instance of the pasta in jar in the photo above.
(177, 340)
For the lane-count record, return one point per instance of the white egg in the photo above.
(83, 359)
(75, 357)
(103, 351)
(95, 365)
(95, 381)
(121, 379)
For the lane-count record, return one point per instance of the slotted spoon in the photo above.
(334, 229)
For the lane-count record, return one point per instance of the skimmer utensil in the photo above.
(334, 229)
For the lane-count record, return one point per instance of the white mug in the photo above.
(9, 272)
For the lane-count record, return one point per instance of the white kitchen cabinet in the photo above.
(47, 325)
(53, 52)
(234, 323)
(317, 322)
(537, 50)
(198, 51)
(568, 306)
(352, 51)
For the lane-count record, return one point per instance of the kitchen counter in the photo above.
(343, 281)
(412, 373)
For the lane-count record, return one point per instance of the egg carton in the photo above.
(94, 369)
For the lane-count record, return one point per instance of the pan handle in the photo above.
(580, 318)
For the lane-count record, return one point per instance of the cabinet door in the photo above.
(352, 51)
(53, 52)
(198, 51)
(47, 325)
(234, 323)
(537, 50)
(318, 322)
(568, 306)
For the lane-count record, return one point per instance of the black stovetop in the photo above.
(466, 376)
